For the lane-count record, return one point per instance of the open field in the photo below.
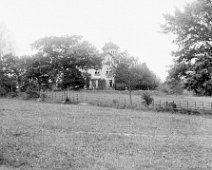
(48, 136)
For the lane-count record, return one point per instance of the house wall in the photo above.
(104, 73)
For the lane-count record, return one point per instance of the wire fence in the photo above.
(123, 101)
(183, 104)
(115, 100)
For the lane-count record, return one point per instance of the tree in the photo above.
(5, 48)
(66, 55)
(14, 67)
(174, 80)
(72, 78)
(193, 30)
(126, 73)
(38, 69)
(147, 80)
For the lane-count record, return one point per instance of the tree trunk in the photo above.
(130, 93)
(19, 84)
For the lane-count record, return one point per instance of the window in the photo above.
(108, 72)
(97, 72)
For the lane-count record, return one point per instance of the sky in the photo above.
(134, 25)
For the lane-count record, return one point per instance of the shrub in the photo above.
(31, 94)
(165, 89)
(147, 98)
(168, 107)
(67, 100)
(42, 97)
(12, 94)
(3, 92)
(120, 86)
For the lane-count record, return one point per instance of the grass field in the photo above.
(48, 136)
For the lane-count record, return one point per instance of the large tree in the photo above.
(193, 30)
(66, 56)
(15, 68)
(38, 70)
(5, 48)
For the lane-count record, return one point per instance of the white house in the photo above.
(110, 51)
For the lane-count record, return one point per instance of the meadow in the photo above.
(51, 136)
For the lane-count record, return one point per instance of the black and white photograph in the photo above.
(105, 84)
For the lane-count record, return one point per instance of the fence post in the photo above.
(211, 106)
(99, 101)
(63, 95)
(203, 106)
(77, 98)
(195, 104)
(187, 104)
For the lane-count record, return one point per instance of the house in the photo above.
(104, 78)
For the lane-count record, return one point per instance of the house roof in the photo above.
(109, 46)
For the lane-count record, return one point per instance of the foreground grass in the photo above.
(54, 136)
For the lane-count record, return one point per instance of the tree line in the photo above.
(58, 62)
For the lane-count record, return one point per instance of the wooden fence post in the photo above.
(203, 106)
(211, 106)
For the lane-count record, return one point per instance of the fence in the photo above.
(188, 105)
(101, 99)
(123, 101)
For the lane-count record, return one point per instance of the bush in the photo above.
(42, 97)
(66, 101)
(167, 107)
(31, 94)
(12, 94)
(3, 92)
(120, 86)
(147, 98)
(165, 89)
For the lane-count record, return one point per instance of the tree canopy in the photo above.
(133, 75)
(61, 58)
(5, 49)
(193, 30)
(68, 51)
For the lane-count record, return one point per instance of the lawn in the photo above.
(49, 136)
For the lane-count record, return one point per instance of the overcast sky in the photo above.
(134, 25)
